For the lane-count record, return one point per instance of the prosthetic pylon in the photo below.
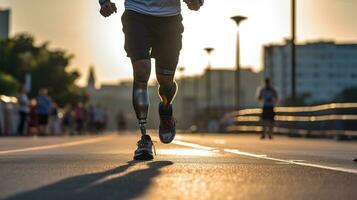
(141, 106)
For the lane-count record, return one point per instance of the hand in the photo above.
(107, 9)
(193, 4)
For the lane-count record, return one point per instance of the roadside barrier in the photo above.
(335, 120)
(8, 115)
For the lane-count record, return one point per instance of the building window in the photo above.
(316, 75)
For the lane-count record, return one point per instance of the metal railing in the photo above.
(338, 120)
(8, 115)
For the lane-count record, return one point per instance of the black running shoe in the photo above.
(167, 128)
(144, 150)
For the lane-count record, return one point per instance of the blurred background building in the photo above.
(4, 23)
(324, 69)
(191, 102)
(190, 105)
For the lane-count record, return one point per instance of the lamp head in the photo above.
(209, 49)
(238, 19)
(181, 69)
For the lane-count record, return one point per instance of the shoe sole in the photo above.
(144, 156)
(169, 141)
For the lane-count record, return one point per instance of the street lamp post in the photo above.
(293, 50)
(182, 77)
(196, 94)
(26, 58)
(182, 83)
(238, 20)
(208, 79)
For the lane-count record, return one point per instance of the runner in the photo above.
(153, 29)
(268, 97)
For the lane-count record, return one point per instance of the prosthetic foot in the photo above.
(141, 106)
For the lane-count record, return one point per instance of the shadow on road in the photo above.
(103, 185)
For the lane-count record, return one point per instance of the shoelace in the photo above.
(153, 145)
(140, 142)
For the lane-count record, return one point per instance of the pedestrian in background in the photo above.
(32, 119)
(99, 119)
(24, 110)
(268, 98)
(53, 120)
(121, 121)
(43, 110)
(80, 114)
(67, 120)
(90, 119)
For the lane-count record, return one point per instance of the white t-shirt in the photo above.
(154, 7)
(163, 8)
(98, 115)
(23, 103)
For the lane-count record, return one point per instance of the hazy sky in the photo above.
(76, 26)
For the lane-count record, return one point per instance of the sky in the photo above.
(77, 27)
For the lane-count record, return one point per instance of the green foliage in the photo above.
(347, 95)
(49, 68)
(300, 100)
(8, 85)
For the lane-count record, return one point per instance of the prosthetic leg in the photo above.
(141, 105)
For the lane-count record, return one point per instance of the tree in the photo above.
(8, 85)
(347, 95)
(49, 68)
(300, 100)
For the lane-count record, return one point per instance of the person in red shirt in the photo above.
(79, 114)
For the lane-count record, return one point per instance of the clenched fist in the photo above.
(108, 8)
(194, 4)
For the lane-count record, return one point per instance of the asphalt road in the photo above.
(193, 167)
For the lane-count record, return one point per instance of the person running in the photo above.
(152, 29)
(268, 97)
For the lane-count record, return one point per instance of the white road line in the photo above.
(340, 169)
(241, 153)
(196, 146)
(53, 146)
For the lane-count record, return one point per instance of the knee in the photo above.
(141, 71)
(165, 80)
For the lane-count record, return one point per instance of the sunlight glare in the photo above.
(185, 152)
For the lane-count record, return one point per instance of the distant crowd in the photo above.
(42, 116)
